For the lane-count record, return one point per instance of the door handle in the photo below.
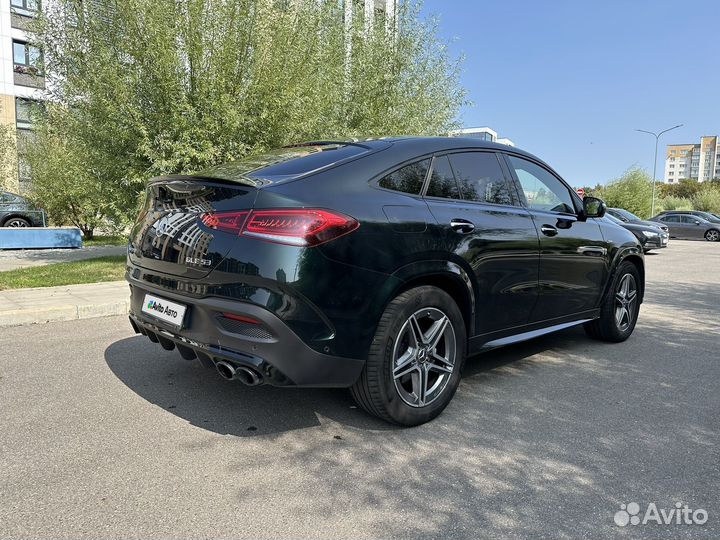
(592, 250)
(462, 225)
(548, 230)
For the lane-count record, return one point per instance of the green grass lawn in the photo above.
(69, 273)
(106, 241)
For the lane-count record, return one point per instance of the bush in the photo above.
(707, 200)
(673, 203)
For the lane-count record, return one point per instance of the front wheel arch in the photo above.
(640, 265)
(633, 255)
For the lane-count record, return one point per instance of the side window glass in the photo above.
(671, 219)
(542, 189)
(408, 179)
(442, 180)
(480, 178)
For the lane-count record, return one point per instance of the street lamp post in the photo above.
(657, 138)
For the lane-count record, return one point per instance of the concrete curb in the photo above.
(50, 304)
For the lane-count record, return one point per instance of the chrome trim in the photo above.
(592, 250)
(530, 335)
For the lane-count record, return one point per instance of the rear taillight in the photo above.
(298, 227)
(225, 221)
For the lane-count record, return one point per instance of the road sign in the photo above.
(581, 192)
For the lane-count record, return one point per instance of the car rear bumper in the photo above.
(269, 348)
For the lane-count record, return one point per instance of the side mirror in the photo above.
(594, 207)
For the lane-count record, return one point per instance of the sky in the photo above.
(570, 80)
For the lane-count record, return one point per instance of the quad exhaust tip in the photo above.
(243, 374)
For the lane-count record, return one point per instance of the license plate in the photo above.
(165, 310)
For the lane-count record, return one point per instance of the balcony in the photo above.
(19, 21)
(28, 76)
(22, 12)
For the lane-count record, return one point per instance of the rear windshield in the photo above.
(286, 163)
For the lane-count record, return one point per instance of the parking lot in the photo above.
(105, 434)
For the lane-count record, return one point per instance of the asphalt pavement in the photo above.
(106, 435)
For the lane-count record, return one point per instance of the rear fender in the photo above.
(435, 272)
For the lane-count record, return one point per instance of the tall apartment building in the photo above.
(483, 133)
(21, 79)
(700, 162)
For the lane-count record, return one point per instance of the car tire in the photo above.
(404, 381)
(16, 222)
(713, 235)
(620, 307)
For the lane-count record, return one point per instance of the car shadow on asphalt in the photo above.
(201, 397)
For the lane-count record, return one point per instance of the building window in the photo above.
(29, 8)
(27, 58)
(482, 135)
(672, 166)
(23, 113)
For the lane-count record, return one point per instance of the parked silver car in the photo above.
(689, 226)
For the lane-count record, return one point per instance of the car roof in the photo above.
(684, 213)
(405, 147)
(439, 144)
(425, 145)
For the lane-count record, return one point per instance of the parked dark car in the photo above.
(628, 217)
(650, 236)
(17, 211)
(688, 226)
(376, 265)
(707, 216)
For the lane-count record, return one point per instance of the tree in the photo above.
(70, 178)
(685, 188)
(8, 157)
(632, 191)
(168, 86)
